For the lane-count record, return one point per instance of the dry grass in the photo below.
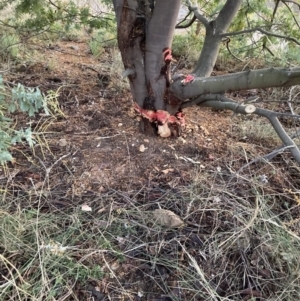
(238, 242)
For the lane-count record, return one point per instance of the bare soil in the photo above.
(101, 128)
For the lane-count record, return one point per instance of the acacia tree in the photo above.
(145, 31)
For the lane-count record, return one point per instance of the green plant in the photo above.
(187, 46)
(28, 100)
(9, 45)
(103, 37)
(96, 48)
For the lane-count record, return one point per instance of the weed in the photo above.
(101, 39)
(9, 45)
(45, 268)
(28, 100)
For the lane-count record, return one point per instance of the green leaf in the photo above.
(29, 138)
(5, 156)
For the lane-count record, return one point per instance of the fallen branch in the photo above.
(265, 158)
(221, 102)
(251, 79)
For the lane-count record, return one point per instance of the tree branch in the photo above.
(227, 41)
(188, 24)
(292, 14)
(265, 158)
(226, 15)
(213, 39)
(274, 11)
(251, 79)
(230, 34)
(223, 103)
(197, 13)
(270, 26)
(290, 1)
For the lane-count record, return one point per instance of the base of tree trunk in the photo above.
(147, 127)
(150, 129)
(176, 129)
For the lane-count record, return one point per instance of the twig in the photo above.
(290, 1)
(184, 19)
(48, 170)
(292, 14)
(229, 34)
(107, 137)
(227, 41)
(265, 158)
(188, 24)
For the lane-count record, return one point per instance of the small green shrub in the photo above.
(104, 37)
(28, 100)
(9, 45)
(187, 46)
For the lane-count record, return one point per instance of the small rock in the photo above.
(74, 47)
(182, 140)
(62, 142)
(86, 208)
(142, 148)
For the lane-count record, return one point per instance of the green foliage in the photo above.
(9, 45)
(259, 14)
(55, 19)
(284, 20)
(103, 37)
(187, 47)
(35, 15)
(62, 266)
(28, 100)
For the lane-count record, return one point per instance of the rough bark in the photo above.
(131, 36)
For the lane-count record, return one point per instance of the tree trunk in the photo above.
(159, 34)
(145, 31)
(130, 17)
(214, 29)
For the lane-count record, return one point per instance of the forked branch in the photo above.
(197, 13)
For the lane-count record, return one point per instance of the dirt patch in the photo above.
(101, 125)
